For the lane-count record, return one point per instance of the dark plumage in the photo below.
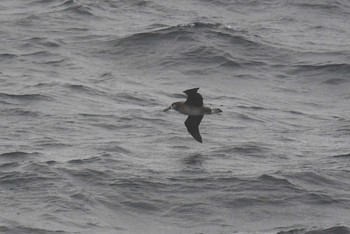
(192, 123)
(193, 98)
(193, 107)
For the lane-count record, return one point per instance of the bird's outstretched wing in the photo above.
(193, 98)
(192, 123)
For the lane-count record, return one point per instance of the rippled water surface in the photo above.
(86, 148)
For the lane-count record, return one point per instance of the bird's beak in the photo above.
(167, 109)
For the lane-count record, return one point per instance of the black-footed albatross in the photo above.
(193, 107)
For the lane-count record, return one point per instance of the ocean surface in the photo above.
(85, 146)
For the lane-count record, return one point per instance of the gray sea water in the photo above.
(86, 148)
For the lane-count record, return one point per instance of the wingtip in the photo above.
(199, 140)
(191, 90)
(197, 137)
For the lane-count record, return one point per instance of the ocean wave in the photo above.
(40, 54)
(7, 56)
(27, 176)
(261, 191)
(139, 99)
(341, 68)
(269, 190)
(186, 33)
(332, 67)
(244, 149)
(312, 180)
(24, 98)
(23, 229)
(250, 118)
(207, 54)
(274, 180)
(44, 57)
(79, 88)
(8, 165)
(73, 6)
(342, 155)
(20, 112)
(336, 6)
(254, 108)
(84, 161)
(335, 81)
(15, 155)
(332, 230)
(42, 42)
(319, 199)
(187, 45)
(113, 147)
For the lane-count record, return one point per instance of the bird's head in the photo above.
(174, 106)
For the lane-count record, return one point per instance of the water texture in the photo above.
(86, 148)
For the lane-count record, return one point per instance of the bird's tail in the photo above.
(216, 110)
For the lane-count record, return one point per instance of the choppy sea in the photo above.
(86, 148)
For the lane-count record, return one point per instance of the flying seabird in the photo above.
(193, 107)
